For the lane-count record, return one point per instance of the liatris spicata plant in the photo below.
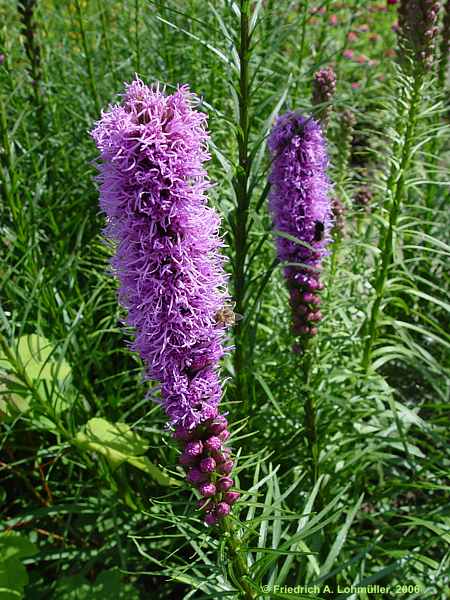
(302, 218)
(301, 210)
(172, 282)
(324, 88)
(417, 29)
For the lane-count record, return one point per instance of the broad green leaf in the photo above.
(13, 575)
(107, 585)
(119, 444)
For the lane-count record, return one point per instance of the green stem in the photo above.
(240, 567)
(87, 55)
(310, 416)
(136, 33)
(396, 184)
(301, 51)
(242, 202)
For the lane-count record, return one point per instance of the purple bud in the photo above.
(222, 509)
(196, 476)
(308, 297)
(194, 448)
(313, 331)
(222, 455)
(231, 497)
(224, 435)
(225, 468)
(213, 443)
(207, 489)
(219, 424)
(2, 59)
(207, 465)
(224, 484)
(210, 519)
(186, 460)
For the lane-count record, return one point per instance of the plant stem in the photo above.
(240, 184)
(310, 417)
(239, 565)
(136, 33)
(396, 184)
(88, 58)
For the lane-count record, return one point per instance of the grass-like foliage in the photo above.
(341, 450)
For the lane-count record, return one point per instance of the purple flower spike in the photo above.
(153, 190)
(207, 490)
(300, 206)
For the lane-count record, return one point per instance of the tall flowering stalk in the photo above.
(153, 191)
(417, 31)
(302, 216)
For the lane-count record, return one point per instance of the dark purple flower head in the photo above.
(300, 207)
(418, 28)
(153, 188)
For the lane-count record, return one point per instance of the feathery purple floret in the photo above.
(300, 207)
(153, 190)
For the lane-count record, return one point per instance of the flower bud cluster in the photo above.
(418, 28)
(208, 466)
(324, 88)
